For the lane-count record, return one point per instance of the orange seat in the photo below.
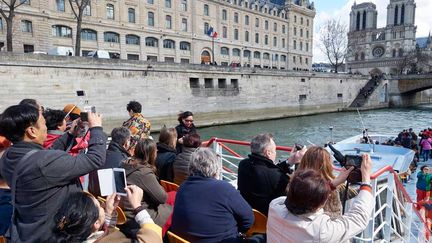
(121, 217)
(2, 239)
(173, 238)
(260, 224)
(169, 186)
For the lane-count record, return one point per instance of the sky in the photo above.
(340, 9)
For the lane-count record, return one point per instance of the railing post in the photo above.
(218, 150)
(408, 220)
(368, 233)
(389, 209)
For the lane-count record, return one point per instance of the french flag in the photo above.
(212, 33)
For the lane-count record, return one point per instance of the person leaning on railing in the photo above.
(299, 217)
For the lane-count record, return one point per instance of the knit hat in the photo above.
(72, 109)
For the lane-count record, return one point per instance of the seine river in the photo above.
(315, 128)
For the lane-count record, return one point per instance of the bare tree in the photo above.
(7, 10)
(78, 7)
(334, 42)
(416, 61)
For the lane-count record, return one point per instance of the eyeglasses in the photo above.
(188, 120)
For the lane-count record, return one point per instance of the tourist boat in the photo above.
(395, 217)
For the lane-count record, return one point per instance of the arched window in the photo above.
(396, 15)
(224, 14)
(111, 37)
(362, 56)
(61, 31)
(246, 53)
(275, 41)
(301, 32)
(184, 5)
(185, 46)
(266, 40)
(246, 19)
(275, 57)
(246, 36)
(110, 11)
(206, 10)
(206, 28)
(26, 26)
(358, 21)
(168, 22)
(401, 52)
(151, 41)
(131, 15)
(236, 52)
(150, 19)
(224, 32)
(132, 40)
(403, 14)
(257, 38)
(236, 18)
(364, 20)
(236, 34)
(394, 53)
(266, 56)
(168, 44)
(257, 55)
(224, 51)
(283, 58)
(88, 35)
(266, 25)
(356, 57)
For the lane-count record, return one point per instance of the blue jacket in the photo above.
(423, 181)
(210, 210)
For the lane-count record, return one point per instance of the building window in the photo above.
(283, 58)
(88, 35)
(403, 14)
(257, 55)
(168, 22)
(206, 28)
(301, 20)
(266, 56)
(295, 31)
(168, 44)
(150, 19)
(302, 97)
(401, 52)
(185, 46)
(208, 83)
(28, 48)
(111, 37)
(301, 32)
(283, 29)
(110, 11)
(246, 36)
(295, 45)
(236, 52)
(184, 25)
(266, 40)
(275, 57)
(131, 15)
(224, 14)
(247, 54)
(236, 18)
(133, 57)
(132, 40)
(307, 60)
(87, 9)
(224, 32)
(301, 46)
(150, 1)
(27, 2)
(1, 24)
(307, 46)
(294, 59)
(224, 51)
(206, 10)
(246, 19)
(266, 25)
(307, 33)
(151, 41)
(194, 83)
(257, 38)
(26, 26)
(275, 41)
(184, 5)
(60, 5)
(295, 19)
(236, 34)
(61, 31)
(283, 42)
(222, 84)
(167, 3)
(275, 27)
(257, 22)
(307, 22)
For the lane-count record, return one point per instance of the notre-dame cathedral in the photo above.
(373, 50)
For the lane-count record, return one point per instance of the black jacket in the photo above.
(48, 177)
(164, 162)
(115, 155)
(260, 181)
(182, 131)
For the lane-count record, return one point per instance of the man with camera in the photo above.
(260, 180)
(40, 179)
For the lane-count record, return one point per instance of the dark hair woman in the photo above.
(166, 153)
(183, 159)
(307, 194)
(81, 218)
(141, 171)
(185, 127)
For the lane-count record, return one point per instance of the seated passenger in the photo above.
(166, 153)
(82, 219)
(56, 125)
(140, 171)
(208, 209)
(299, 217)
(185, 127)
(183, 159)
(117, 151)
(260, 180)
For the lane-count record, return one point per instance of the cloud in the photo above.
(424, 25)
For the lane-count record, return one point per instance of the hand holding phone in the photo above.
(120, 181)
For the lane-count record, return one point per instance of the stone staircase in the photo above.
(366, 91)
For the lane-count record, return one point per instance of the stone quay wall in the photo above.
(217, 95)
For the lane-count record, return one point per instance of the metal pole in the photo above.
(212, 49)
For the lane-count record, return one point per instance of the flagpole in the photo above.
(213, 49)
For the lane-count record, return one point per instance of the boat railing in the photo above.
(395, 217)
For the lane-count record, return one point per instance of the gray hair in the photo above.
(260, 143)
(204, 161)
(120, 135)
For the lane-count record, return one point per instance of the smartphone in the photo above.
(87, 109)
(353, 160)
(120, 181)
(80, 93)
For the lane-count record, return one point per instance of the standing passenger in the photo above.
(185, 127)
(137, 124)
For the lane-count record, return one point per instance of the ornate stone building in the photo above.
(380, 50)
(258, 33)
